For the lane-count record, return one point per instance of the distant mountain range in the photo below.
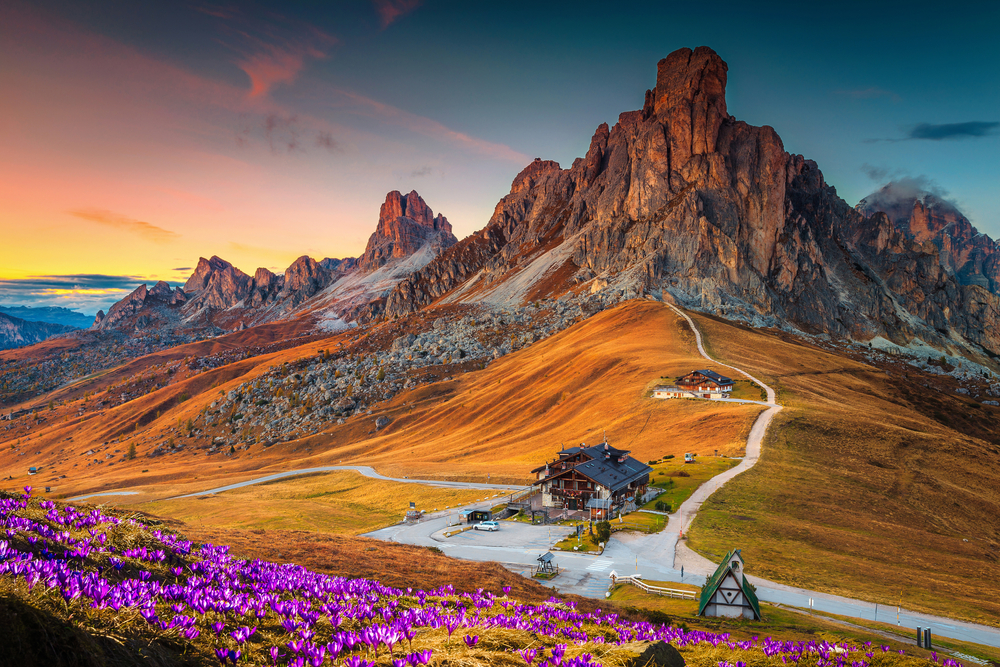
(680, 201)
(49, 314)
(221, 297)
(15, 332)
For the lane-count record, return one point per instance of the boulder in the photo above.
(657, 654)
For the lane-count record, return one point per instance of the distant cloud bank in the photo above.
(83, 292)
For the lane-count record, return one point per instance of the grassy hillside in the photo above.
(876, 482)
(500, 421)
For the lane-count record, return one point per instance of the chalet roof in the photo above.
(712, 375)
(604, 467)
(712, 584)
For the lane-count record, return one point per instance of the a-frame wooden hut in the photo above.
(728, 593)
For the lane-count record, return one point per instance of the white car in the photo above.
(487, 525)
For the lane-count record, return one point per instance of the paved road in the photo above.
(106, 493)
(367, 471)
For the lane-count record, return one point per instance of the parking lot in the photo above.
(511, 534)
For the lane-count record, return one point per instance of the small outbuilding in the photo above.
(546, 564)
(727, 593)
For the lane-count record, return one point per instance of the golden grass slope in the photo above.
(574, 387)
(875, 483)
(501, 421)
(338, 502)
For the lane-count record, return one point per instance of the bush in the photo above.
(668, 456)
(662, 506)
(603, 531)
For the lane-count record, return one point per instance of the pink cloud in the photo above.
(123, 223)
(390, 10)
(432, 128)
(274, 66)
(276, 52)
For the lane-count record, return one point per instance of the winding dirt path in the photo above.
(687, 511)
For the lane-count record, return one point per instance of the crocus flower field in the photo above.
(105, 571)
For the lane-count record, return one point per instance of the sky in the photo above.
(136, 137)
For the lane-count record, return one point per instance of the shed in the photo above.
(475, 516)
(600, 508)
(32, 470)
(728, 593)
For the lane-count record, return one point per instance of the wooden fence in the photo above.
(655, 590)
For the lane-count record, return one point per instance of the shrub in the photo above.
(603, 531)
(668, 456)
(662, 506)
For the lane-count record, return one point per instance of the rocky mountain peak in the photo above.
(923, 217)
(690, 96)
(406, 224)
(202, 272)
(412, 207)
(304, 278)
(683, 201)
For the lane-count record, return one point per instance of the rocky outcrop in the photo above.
(339, 266)
(15, 332)
(683, 200)
(406, 225)
(218, 284)
(143, 308)
(973, 258)
(303, 279)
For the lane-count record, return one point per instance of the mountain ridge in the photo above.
(680, 200)
(15, 332)
(219, 297)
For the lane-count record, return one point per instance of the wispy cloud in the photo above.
(945, 131)
(390, 10)
(326, 140)
(123, 223)
(423, 171)
(219, 11)
(973, 129)
(899, 186)
(282, 133)
(870, 94)
(432, 128)
(273, 52)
